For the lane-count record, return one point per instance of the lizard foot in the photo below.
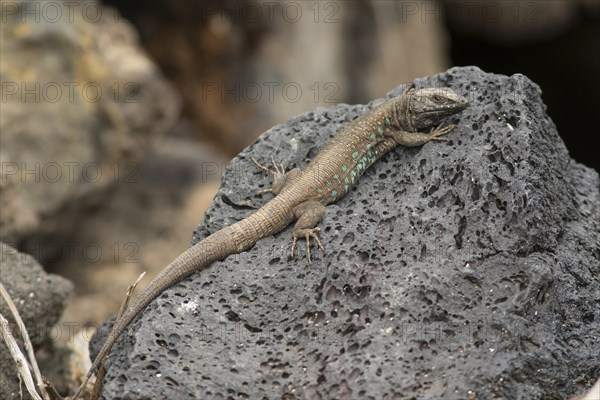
(307, 233)
(412, 139)
(440, 130)
(278, 176)
(278, 169)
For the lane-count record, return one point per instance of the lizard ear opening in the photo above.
(409, 89)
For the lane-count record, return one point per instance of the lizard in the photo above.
(302, 194)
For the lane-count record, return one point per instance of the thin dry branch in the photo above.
(128, 295)
(26, 341)
(20, 360)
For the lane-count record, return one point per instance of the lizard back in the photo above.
(360, 143)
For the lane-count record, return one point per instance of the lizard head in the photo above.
(424, 108)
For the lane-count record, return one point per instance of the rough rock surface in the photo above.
(40, 299)
(466, 269)
(79, 100)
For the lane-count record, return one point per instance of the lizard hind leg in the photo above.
(278, 174)
(308, 215)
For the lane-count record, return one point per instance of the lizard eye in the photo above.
(437, 98)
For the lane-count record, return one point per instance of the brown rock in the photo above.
(79, 101)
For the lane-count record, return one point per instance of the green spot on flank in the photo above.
(319, 190)
(327, 183)
(380, 130)
(387, 121)
(373, 137)
(355, 154)
(334, 194)
(336, 177)
(344, 168)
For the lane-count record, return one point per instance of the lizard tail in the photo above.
(213, 248)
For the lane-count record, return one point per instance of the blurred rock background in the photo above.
(117, 116)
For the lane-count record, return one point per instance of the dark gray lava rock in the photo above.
(466, 269)
(40, 299)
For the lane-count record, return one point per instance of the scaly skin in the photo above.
(301, 195)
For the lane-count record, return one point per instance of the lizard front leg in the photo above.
(278, 175)
(412, 139)
(308, 215)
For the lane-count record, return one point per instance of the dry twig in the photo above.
(20, 360)
(26, 341)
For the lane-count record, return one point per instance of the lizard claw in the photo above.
(278, 169)
(277, 173)
(269, 190)
(307, 233)
(441, 130)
